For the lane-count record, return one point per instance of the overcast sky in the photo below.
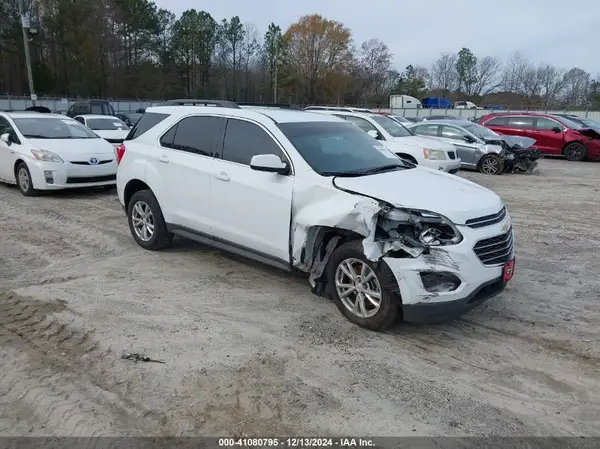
(565, 34)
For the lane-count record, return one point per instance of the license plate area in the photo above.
(509, 270)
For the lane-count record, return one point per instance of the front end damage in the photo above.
(519, 154)
(387, 232)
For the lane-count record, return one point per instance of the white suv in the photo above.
(420, 150)
(307, 191)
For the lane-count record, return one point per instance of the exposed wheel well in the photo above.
(408, 157)
(135, 185)
(318, 238)
(17, 163)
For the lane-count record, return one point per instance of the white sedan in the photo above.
(52, 152)
(110, 128)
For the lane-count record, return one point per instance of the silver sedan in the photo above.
(476, 145)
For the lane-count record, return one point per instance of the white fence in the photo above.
(468, 113)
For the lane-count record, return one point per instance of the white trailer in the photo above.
(404, 102)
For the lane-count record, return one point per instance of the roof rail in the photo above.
(194, 102)
(270, 105)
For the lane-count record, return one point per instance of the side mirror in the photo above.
(269, 163)
(557, 129)
(6, 138)
(469, 139)
(374, 134)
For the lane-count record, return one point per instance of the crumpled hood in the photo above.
(513, 141)
(69, 148)
(427, 189)
(423, 142)
(589, 132)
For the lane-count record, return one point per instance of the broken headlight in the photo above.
(421, 228)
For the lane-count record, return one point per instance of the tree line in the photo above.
(133, 49)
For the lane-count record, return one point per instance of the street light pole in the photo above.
(24, 28)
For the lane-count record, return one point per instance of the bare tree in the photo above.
(513, 72)
(488, 76)
(577, 87)
(375, 60)
(553, 82)
(443, 74)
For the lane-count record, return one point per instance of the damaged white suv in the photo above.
(307, 191)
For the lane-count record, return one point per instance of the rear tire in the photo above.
(357, 301)
(575, 152)
(23, 178)
(146, 221)
(491, 164)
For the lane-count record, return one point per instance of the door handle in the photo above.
(222, 176)
(164, 159)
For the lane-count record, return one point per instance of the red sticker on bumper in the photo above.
(509, 270)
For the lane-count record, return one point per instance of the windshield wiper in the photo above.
(370, 171)
(36, 136)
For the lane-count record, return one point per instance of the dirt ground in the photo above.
(249, 350)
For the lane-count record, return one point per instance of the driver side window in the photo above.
(545, 124)
(361, 123)
(4, 126)
(450, 132)
(80, 120)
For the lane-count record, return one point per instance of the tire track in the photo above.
(55, 370)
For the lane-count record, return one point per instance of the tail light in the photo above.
(120, 152)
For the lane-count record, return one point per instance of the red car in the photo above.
(553, 134)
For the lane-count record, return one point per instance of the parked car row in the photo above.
(297, 190)
(574, 138)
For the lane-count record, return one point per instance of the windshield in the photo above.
(392, 127)
(106, 124)
(337, 148)
(570, 123)
(589, 123)
(53, 128)
(481, 131)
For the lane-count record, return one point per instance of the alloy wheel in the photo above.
(142, 220)
(24, 180)
(358, 287)
(490, 166)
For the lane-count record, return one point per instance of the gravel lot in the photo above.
(249, 350)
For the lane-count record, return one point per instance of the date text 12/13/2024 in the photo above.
(295, 442)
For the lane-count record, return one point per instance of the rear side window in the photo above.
(148, 121)
(197, 135)
(244, 140)
(427, 130)
(497, 121)
(521, 122)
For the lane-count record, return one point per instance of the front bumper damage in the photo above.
(435, 283)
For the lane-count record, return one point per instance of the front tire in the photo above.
(360, 288)
(491, 164)
(146, 221)
(575, 152)
(23, 178)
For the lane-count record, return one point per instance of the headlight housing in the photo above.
(421, 228)
(46, 156)
(434, 155)
(502, 152)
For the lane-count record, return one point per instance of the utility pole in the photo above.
(276, 71)
(25, 28)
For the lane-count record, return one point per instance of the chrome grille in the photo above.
(108, 161)
(487, 220)
(495, 250)
(451, 154)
